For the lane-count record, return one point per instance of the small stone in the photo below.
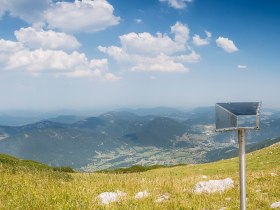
(258, 190)
(140, 195)
(273, 174)
(162, 198)
(204, 177)
(212, 186)
(108, 197)
(275, 205)
(228, 199)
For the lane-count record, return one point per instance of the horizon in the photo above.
(117, 54)
(100, 111)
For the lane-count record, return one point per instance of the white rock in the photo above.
(273, 174)
(108, 197)
(258, 190)
(162, 198)
(140, 195)
(275, 205)
(213, 186)
(204, 177)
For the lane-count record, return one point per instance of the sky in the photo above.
(88, 54)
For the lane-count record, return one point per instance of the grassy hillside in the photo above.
(30, 185)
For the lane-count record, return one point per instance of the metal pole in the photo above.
(242, 172)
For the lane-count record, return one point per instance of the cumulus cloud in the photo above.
(241, 66)
(177, 4)
(181, 33)
(29, 10)
(226, 44)
(14, 56)
(42, 60)
(160, 52)
(193, 57)
(8, 48)
(146, 43)
(199, 41)
(162, 63)
(74, 17)
(81, 16)
(34, 38)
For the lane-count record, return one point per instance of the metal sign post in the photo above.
(227, 119)
(242, 168)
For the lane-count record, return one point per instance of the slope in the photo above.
(34, 189)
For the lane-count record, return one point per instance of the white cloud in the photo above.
(241, 66)
(8, 48)
(137, 20)
(34, 38)
(14, 56)
(81, 16)
(177, 4)
(116, 53)
(181, 33)
(146, 52)
(28, 10)
(43, 60)
(199, 41)
(74, 17)
(193, 57)
(161, 63)
(226, 44)
(146, 43)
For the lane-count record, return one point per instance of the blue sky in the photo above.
(141, 53)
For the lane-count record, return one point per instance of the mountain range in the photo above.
(124, 138)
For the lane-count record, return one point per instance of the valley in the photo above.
(128, 137)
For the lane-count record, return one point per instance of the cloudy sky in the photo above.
(142, 53)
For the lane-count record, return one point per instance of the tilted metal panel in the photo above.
(229, 115)
(224, 118)
(241, 108)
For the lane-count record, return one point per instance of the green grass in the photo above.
(31, 185)
(135, 169)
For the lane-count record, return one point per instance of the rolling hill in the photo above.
(29, 185)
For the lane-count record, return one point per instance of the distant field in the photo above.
(30, 185)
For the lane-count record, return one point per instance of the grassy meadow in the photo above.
(30, 185)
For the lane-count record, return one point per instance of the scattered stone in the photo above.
(204, 177)
(275, 205)
(140, 195)
(212, 186)
(258, 190)
(228, 199)
(162, 198)
(223, 208)
(273, 174)
(108, 197)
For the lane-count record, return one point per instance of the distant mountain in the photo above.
(161, 112)
(120, 139)
(56, 144)
(69, 119)
(160, 132)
